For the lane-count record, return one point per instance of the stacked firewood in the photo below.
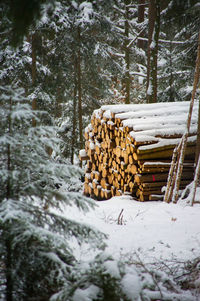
(128, 149)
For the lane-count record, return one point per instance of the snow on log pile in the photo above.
(128, 149)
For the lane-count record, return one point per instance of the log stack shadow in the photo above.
(128, 149)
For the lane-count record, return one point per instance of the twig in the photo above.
(120, 218)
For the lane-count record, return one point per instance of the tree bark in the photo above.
(127, 54)
(33, 72)
(74, 112)
(58, 108)
(141, 8)
(79, 87)
(196, 180)
(185, 136)
(9, 281)
(152, 54)
(8, 190)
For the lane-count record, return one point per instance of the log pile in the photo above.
(128, 149)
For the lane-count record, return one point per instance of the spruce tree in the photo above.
(35, 251)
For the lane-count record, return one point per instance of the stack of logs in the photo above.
(128, 149)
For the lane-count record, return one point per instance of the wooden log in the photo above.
(116, 183)
(132, 168)
(160, 169)
(148, 192)
(131, 159)
(104, 172)
(86, 189)
(97, 176)
(153, 170)
(97, 191)
(163, 145)
(190, 150)
(118, 151)
(98, 148)
(89, 165)
(143, 198)
(156, 197)
(110, 178)
(118, 192)
(159, 177)
(91, 190)
(163, 163)
(111, 144)
(107, 194)
(113, 190)
(95, 183)
(94, 166)
(83, 156)
(88, 178)
(104, 184)
(152, 185)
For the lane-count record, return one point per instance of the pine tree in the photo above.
(179, 51)
(35, 250)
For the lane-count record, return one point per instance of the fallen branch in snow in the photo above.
(120, 218)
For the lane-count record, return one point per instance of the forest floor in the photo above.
(154, 230)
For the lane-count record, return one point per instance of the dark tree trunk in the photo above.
(8, 190)
(171, 80)
(141, 8)
(58, 112)
(198, 139)
(33, 72)
(197, 154)
(152, 55)
(74, 112)
(79, 87)
(127, 54)
(9, 280)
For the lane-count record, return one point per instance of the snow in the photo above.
(87, 294)
(97, 113)
(112, 268)
(165, 142)
(150, 89)
(85, 12)
(82, 153)
(161, 106)
(155, 230)
(107, 114)
(167, 131)
(131, 285)
(92, 145)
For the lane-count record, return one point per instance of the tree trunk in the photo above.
(74, 112)
(8, 190)
(171, 79)
(141, 7)
(33, 72)
(79, 86)
(152, 54)
(183, 149)
(9, 281)
(197, 153)
(127, 54)
(196, 180)
(58, 112)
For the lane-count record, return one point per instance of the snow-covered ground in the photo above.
(153, 228)
(155, 233)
